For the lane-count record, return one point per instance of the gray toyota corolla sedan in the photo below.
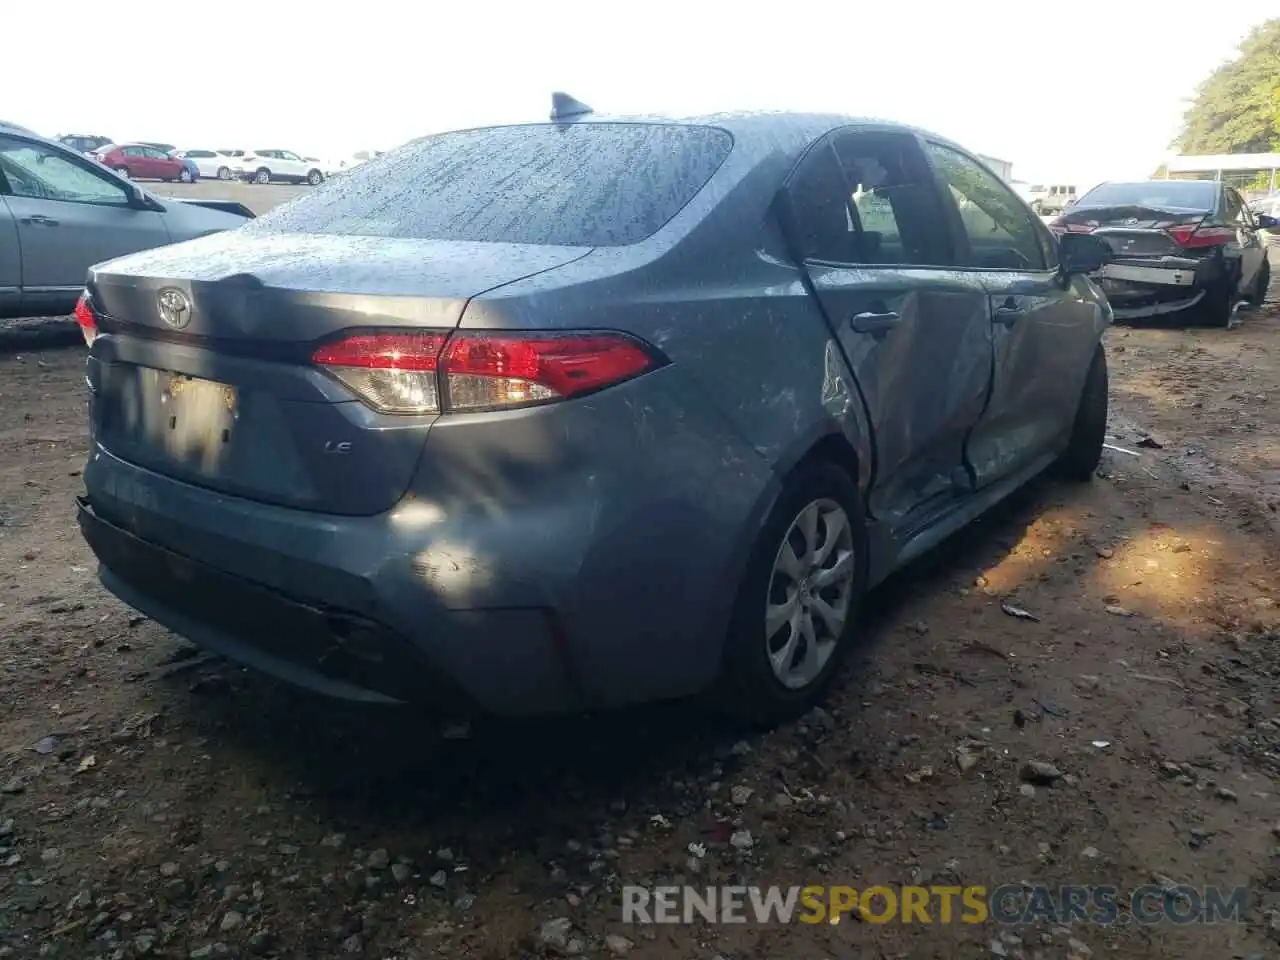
(565, 415)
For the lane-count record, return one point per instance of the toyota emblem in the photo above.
(175, 307)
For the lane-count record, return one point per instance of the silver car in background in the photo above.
(61, 213)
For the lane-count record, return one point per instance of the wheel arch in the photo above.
(825, 443)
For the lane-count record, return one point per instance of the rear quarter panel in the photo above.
(755, 380)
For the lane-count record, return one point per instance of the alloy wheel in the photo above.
(810, 593)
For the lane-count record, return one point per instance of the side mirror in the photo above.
(140, 200)
(1083, 253)
(1267, 222)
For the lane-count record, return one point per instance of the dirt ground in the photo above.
(156, 803)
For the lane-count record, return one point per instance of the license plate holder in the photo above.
(1161, 276)
(196, 417)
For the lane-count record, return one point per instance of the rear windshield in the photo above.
(1193, 195)
(580, 184)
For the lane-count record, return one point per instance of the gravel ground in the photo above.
(158, 803)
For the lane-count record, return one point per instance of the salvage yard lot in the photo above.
(155, 803)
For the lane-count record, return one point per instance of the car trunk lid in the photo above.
(204, 370)
(1133, 230)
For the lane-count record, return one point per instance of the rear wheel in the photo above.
(224, 173)
(1079, 461)
(796, 606)
(314, 178)
(262, 176)
(185, 176)
(1218, 303)
(1263, 282)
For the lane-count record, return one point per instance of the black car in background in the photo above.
(84, 142)
(1179, 245)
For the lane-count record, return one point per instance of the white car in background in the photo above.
(211, 164)
(268, 166)
(351, 162)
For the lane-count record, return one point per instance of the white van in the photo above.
(1053, 198)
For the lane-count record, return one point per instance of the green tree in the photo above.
(1237, 109)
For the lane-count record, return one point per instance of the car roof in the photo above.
(760, 132)
(15, 129)
(1134, 183)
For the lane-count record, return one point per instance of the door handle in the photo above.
(40, 220)
(873, 323)
(1007, 313)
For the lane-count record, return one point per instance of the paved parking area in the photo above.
(257, 197)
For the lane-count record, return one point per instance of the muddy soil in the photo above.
(156, 803)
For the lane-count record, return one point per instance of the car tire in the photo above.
(1263, 283)
(1218, 305)
(1079, 461)
(761, 683)
(262, 175)
(123, 171)
(224, 173)
(315, 178)
(186, 177)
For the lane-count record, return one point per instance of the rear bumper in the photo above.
(533, 576)
(327, 650)
(511, 665)
(1140, 287)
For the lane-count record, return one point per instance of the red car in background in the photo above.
(142, 162)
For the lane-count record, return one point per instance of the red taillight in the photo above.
(1080, 227)
(1194, 236)
(394, 373)
(85, 317)
(486, 371)
(433, 372)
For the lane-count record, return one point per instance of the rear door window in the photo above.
(579, 184)
(894, 204)
(867, 198)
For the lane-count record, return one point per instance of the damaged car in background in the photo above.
(1179, 246)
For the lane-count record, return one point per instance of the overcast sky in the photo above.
(1075, 91)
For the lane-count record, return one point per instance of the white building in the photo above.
(1250, 172)
(1002, 168)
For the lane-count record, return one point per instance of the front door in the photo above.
(914, 331)
(291, 165)
(10, 260)
(1252, 252)
(160, 165)
(1039, 327)
(69, 215)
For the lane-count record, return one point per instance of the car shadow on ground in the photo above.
(391, 764)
